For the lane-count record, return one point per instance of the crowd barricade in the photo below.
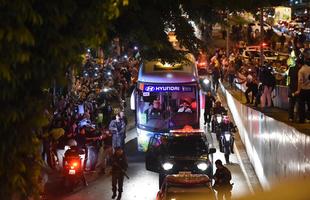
(275, 149)
(279, 95)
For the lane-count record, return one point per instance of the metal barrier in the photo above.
(279, 95)
(276, 150)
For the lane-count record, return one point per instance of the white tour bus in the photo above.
(167, 97)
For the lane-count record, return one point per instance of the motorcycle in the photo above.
(227, 144)
(216, 121)
(73, 168)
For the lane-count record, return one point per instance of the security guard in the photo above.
(119, 167)
(222, 183)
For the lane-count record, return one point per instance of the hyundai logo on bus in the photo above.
(170, 88)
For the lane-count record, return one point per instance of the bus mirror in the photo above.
(132, 100)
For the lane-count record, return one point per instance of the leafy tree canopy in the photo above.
(148, 23)
(38, 41)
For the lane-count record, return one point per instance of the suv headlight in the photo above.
(202, 166)
(167, 166)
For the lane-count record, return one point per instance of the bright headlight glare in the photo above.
(206, 81)
(218, 119)
(227, 136)
(167, 166)
(202, 166)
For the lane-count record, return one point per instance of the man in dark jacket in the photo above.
(209, 101)
(119, 167)
(292, 85)
(268, 81)
(222, 183)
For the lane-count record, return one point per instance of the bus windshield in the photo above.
(167, 109)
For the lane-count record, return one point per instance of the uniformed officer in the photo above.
(222, 179)
(119, 167)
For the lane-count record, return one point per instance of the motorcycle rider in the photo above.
(227, 126)
(222, 179)
(75, 151)
(209, 100)
(119, 166)
(217, 109)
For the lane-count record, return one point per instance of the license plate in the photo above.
(71, 171)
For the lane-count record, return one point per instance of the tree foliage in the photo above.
(38, 41)
(148, 23)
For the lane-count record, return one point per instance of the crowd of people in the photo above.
(91, 113)
(260, 81)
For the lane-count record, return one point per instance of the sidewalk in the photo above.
(275, 113)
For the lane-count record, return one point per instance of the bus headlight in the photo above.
(167, 166)
(202, 166)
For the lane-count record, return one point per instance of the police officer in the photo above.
(117, 128)
(222, 183)
(119, 167)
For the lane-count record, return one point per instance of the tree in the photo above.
(148, 23)
(38, 41)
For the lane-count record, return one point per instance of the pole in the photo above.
(227, 35)
(261, 36)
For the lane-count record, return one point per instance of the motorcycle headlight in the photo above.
(202, 166)
(218, 119)
(227, 136)
(206, 81)
(167, 166)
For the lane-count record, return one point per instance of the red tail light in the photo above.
(74, 165)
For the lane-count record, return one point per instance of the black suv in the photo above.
(178, 152)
